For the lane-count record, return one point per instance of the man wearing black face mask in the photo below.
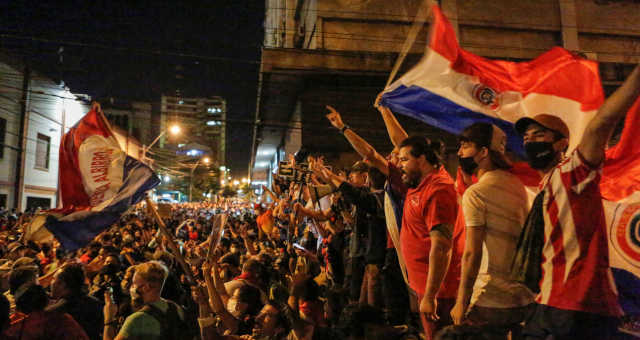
(577, 298)
(494, 211)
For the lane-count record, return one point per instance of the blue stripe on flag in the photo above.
(78, 233)
(437, 111)
(628, 286)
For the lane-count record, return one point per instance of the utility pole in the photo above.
(22, 138)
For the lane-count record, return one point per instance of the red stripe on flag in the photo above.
(72, 191)
(553, 73)
(621, 172)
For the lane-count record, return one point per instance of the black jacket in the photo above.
(371, 228)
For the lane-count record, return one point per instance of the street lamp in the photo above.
(173, 129)
(204, 160)
(236, 182)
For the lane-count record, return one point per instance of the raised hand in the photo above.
(334, 118)
(376, 103)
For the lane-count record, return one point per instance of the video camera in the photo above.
(299, 173)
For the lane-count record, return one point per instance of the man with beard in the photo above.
(577, 298)
(429, 215)
(157, 319)
(396, 299)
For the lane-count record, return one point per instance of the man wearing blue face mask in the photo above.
(577, 298)
(494, 211)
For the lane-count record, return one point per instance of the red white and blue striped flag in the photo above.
(451, 88)
(98, 182)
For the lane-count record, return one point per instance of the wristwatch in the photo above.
(345, 127)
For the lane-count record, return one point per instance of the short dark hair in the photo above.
(422, 146)
(359, 167)
(33, 299)
(252, 266)
(481, 134)
(20, 276)
(282, 321)
(251, 296)
(376, 178)
(73, 277)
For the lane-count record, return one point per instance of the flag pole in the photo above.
(421, 17)
(220, 220)
(172, 243)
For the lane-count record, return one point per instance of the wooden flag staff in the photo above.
(172, 243)
(216, 234)
(421, 17)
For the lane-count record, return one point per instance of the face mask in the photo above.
(540, 154)
(468, 164)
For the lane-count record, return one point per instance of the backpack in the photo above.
(526, 267)
(172, 327)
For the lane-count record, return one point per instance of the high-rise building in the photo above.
(201, 119)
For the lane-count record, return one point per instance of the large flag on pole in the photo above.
(451, 88)
(98, 182)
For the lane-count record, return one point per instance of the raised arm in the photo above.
(360, 145)
(270, 193)
(396, 133)
(600, 128)
(315, 214)
(215, 301)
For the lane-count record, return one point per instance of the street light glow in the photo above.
(236, 182)
(223, 168)
(206, 160)
(174, 129)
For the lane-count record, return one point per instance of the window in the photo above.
(38, 202)
(3, 200)
(3, 131)
(43, 149)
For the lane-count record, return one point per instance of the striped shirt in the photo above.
(575, 264)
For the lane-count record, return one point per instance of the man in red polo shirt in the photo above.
(429, 215)
(577, 297)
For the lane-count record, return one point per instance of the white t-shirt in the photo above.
(497, 202)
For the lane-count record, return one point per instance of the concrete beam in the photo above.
(274, 59)
(569, 25)
(450, 9)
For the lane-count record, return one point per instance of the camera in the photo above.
(298, 174)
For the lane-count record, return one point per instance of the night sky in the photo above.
(132, 50)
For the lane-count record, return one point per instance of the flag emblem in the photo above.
(626, 235)
(487, 96)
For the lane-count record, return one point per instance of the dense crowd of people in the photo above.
(393, 247)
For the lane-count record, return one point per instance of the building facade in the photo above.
(35, 113)
(202, 121)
